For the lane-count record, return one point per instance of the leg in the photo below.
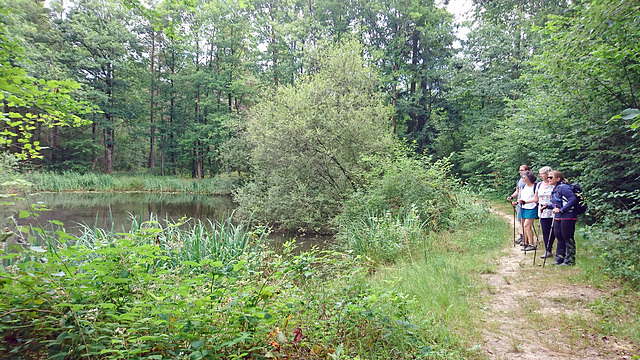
(528, 232)
(560, 249)
(520, 221)
(547, 235)
(568, 231)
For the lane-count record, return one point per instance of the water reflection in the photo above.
(115, 210)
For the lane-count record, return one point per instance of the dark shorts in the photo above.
(530, 213)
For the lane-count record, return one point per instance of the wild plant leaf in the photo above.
(38, 249)
(197, 344)
(629, 114)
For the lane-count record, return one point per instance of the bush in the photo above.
(382, 237)
(618, 248)
(407, 197)
(400, 182)
(159, 293)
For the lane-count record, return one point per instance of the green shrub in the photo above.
(402, 181)
(382, 237)
(618, 248)
(157, 293)
(407, 197)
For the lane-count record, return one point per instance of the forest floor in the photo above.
(533, 312)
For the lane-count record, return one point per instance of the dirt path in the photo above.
(536, 313)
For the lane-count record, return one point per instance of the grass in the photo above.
(613, 305)
(71, 181)
(446, 282)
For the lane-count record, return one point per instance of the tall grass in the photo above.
(445, 281)
(176, 243)
(382, 237)
(180, 242)
(72, 181)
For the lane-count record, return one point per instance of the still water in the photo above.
(116, 210)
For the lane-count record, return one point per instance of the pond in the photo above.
(116, 210)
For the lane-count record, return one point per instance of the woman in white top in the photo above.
(529, 209)
(545, 210)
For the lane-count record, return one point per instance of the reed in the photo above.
(382, 237)
(72, 181)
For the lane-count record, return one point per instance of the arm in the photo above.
(515, 194)
(566, 193)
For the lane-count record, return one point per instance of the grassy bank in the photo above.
(444, 278)
(70, 181)
(164, 292)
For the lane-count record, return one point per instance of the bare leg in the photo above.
(528, 232)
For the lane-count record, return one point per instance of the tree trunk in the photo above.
(54, 144)
(109, 147)
(152, 138)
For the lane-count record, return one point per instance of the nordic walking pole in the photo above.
(535, 251)
(514, 225)
(553, 219)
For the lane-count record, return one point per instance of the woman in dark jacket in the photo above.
(564, 223)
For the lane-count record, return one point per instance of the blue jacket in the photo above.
(564, 199)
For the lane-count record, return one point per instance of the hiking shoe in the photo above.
(567, 264)
(558, 261)
(529, 248)
(546, 255)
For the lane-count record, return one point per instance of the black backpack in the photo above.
(581, 206)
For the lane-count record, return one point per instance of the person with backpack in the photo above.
(565, 216)
(529, 209)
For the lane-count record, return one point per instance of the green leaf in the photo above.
(630, 114)
(197, 344)
(23, 214)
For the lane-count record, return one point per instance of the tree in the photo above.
(28, 102)
(411, 42)
(307, 141)
(103, 50)
(581, 100)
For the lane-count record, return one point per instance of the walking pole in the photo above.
(553, 219)
(514, 225)
(535, 251)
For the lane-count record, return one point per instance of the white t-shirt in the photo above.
(526, 194)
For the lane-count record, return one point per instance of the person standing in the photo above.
(545, 210)
(529, 209)
(564, 221)
(516, 194)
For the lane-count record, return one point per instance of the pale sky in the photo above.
(462, 10)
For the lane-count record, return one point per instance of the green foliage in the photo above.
(400, 182)
(382, 238)
(153, 293)
(30, 102)
(406, 199)
(307, 141)
(618, 248)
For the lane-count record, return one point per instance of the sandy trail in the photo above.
(529, 317)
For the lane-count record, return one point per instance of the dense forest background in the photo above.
(200, 88)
